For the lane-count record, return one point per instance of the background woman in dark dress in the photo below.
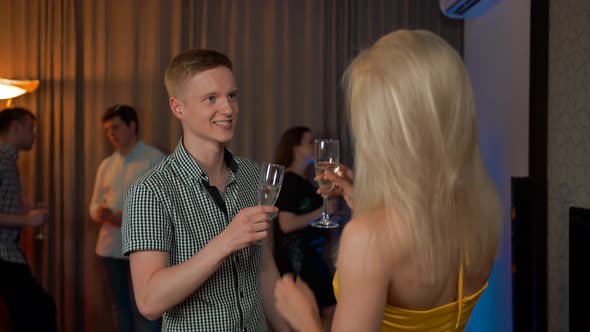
(299, 246)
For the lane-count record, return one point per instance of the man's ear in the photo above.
(177, 108)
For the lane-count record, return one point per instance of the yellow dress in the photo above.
(449, 317)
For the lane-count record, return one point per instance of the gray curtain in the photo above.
(289, 56)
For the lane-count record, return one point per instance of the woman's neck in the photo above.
(298, 167)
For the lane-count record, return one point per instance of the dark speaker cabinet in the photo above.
(529, 255)
(579, 269)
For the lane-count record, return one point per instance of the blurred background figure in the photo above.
(132, 158)
(29, 306)
(299, 247)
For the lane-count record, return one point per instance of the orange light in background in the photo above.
(10, 89)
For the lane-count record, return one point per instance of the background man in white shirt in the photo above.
(132, 158)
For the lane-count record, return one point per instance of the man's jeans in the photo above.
(118, 282)
(29, 306)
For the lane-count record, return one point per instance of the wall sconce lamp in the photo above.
(10, 89)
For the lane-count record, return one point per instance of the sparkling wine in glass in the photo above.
(327, 159)
(269, 183)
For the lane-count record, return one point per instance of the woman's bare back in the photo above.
(407, 288)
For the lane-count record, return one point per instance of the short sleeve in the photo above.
(146, 223)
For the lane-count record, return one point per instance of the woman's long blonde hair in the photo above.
(417, 152)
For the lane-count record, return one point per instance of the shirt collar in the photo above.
(9, 149)
(138, 147)
(194, 170)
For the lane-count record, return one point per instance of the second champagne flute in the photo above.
(327, 159)
(40, 232)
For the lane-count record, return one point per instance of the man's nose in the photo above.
(227, 108)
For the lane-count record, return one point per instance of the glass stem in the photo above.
(325, 216)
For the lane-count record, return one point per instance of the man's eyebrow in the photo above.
(215, 93)
(208, 94)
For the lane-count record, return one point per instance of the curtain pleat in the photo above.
(288, 55)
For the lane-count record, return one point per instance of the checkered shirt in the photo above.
(172, 208)
(10, 250)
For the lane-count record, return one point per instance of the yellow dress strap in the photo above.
(465, 261)
(460, 293)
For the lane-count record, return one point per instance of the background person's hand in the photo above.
(104, 213)
(296, 303)
(248, 226)
(36, 217)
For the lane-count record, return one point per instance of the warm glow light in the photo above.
(13, 88)
(28, 85)
(10, 91)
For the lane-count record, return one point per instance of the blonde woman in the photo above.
(418, 252)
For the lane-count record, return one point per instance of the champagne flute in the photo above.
(327, 159)
(269, 183)
(40, 234)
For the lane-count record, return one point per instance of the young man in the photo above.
(191, 226)
(29, 306)
(132, 159)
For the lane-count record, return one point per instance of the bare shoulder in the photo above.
(386, 231)
(372, 241)
(363, 277)
(357, 233)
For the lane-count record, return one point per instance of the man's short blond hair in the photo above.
(189, 63)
